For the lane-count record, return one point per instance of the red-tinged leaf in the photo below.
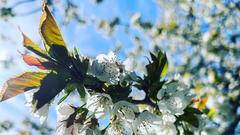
(32, 61)
(20, 84)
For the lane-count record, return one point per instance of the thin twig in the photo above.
(21, 2)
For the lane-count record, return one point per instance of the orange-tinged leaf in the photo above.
(32, 61)
(49, 29)
(20, 84)
(202, 104)
(195, 100)
(29, 44)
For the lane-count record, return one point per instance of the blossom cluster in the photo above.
(106, 90)
(126, 118)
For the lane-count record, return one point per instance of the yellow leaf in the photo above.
(165, 69)
(20, 84)
(29, 44)
(211, 113)
(49, 30)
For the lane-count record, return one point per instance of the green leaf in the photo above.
(158, 67)
(190, 117)
(80, 65)
(153, 90)
(63, 98)
(93, 83)
(81, 92)
(68, 90)
(193, 110)
(51, 85)
(117, 92)
(60, 53)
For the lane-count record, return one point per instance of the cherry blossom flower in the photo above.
(147, 124)
(119, 127)
(64, 111)
(100, 104)
(174, 98)
(125, 110)
(106, 68)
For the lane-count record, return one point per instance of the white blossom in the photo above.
(64, 110)
(100, 104)
(41, 113)
(125, 110)
(106, 68)
(78, 125)
(174, 98)
(119, 127)
(147, 124)
(168, 127)
(168, 118)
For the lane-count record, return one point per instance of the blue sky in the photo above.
(86, 38)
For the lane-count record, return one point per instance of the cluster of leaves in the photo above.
(155, 70)
(62, 68)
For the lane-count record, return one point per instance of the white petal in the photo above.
(100, 104)
(125, 110)
(119, 128)
(106, 68)
(61, 128)
(147, 124)
(41, 113)
(168, 118)
(174, 98)
(64, 110)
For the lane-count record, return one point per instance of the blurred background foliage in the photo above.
(201, 39)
